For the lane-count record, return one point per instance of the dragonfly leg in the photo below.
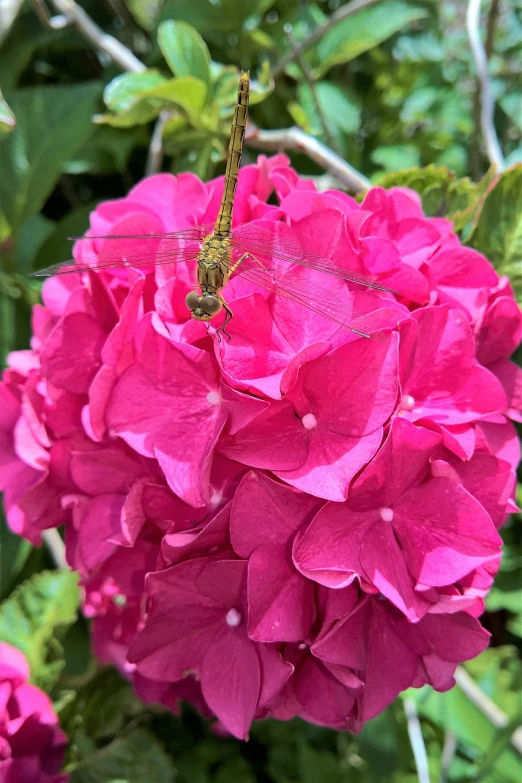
(245, 255)
(228, 317)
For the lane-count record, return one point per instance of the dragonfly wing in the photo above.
(268, 246)
(133, 250)
(291, 285)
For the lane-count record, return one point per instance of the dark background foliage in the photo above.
(391, 89)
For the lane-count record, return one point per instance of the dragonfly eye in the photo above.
(210, 305)
(192, 300)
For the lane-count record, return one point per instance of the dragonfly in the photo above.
(261, 256)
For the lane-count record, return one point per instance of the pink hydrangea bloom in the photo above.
(299, 521)
(32, 746)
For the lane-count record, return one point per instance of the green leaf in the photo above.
(126, 90)
(443, 195)
(341, 114)
(260, 87)
(7, 118)
(32, 235)
(188, 93)
(58, 246)
(211, 17)
(139, 107)
(454, 712)
(34, 618)
(14, 552)
(99, 709)
(512, 105)
(396, 156)
(185, 51)
(317, 765)
(498, 232)
(52, 123)
(134, 758)
(363, 31)
(108, 150)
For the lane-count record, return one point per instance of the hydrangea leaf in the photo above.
(35, 617)
(443, 195)
(52, 123)
(99, 709)
(498, 231)
(136, 757)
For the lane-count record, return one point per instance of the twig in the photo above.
(118, 53)
(488, 708)
(337, 16)
(417, 741)
(299, 141)
(448, 754)
(311, 85)
(487, 105)
(53, 542)
(155, 153)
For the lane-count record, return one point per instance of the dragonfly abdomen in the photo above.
(235, 150)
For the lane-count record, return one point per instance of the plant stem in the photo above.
(417, 741)
(488, 708)
(54, 543)
(119, 54)
(487, 105)
(337, 16)
(311, 84)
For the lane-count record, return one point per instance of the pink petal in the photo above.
(328, 552)
(230, 680)
(384, 564)
(401, 462)
(267, 512)
(72, 354)
(444, 532)
(280, 600)
(333, 461)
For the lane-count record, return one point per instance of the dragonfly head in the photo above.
(203, 307)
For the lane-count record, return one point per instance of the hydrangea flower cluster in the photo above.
(32, 746)
(298, 521)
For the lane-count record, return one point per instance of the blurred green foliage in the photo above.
(390, 88)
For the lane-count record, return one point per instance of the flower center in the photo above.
(407, 402)
(214, 398)
(233, 618)
(216, 498)
(309, 421)
(386, 514)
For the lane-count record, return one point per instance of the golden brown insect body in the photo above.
(214, 266)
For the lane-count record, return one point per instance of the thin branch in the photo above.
(155, 153)
(417, 741)
(488, 708)
(54, 543)
(448, 754)
(311, 85)
(487, 105)
(118, 53)
(299, 141)
(337, 16)
(490, 27)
